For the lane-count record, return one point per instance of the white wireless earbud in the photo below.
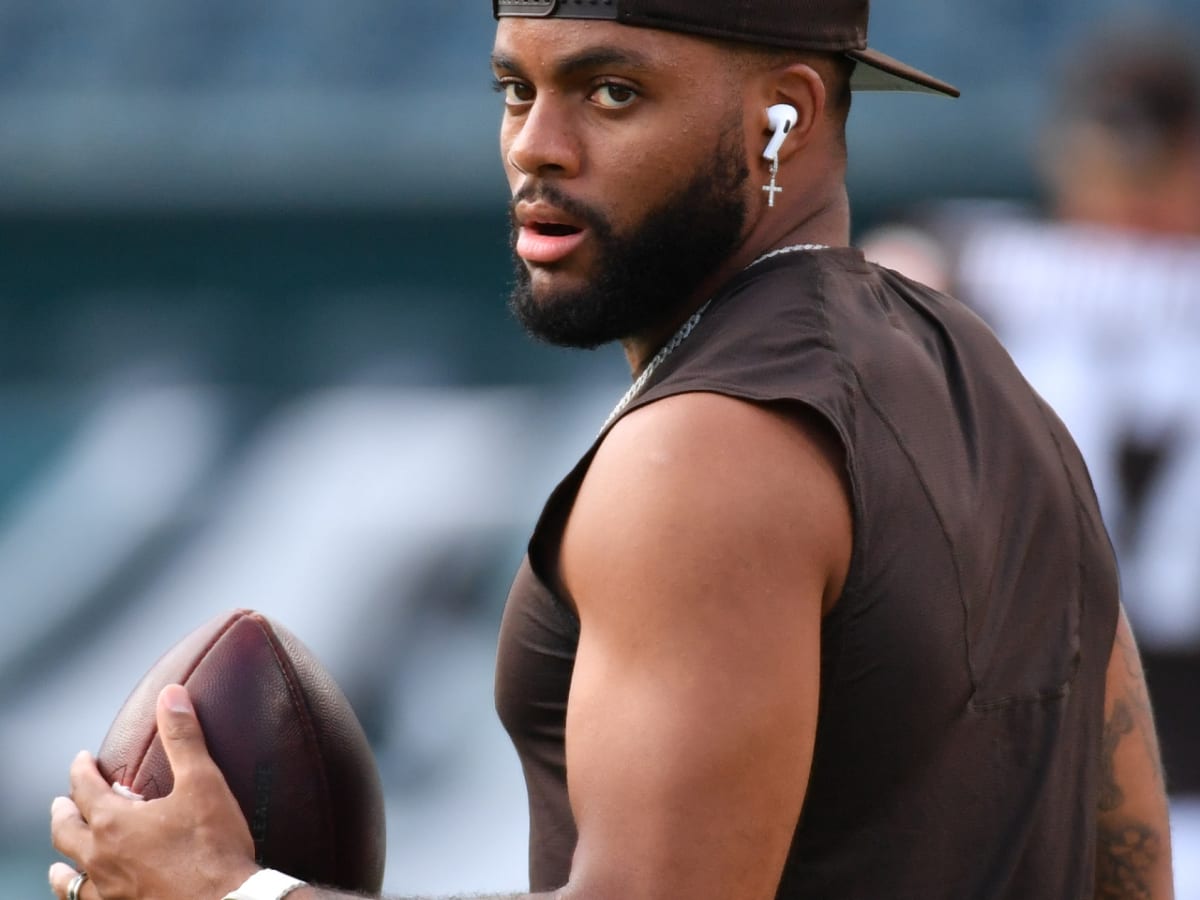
(780, 118)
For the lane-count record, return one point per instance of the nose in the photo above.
(542, 141)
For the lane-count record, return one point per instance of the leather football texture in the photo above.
(286, 739)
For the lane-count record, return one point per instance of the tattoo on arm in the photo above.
(1129, 849)
(1135, 707)
(1124, 861)
(1119, 724)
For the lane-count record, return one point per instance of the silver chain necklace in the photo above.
(682, 334)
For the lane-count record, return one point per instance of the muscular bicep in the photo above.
(699, 560)
(1133, 835)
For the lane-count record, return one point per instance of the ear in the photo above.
(800, 86)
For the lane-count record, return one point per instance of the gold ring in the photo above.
(75, 885)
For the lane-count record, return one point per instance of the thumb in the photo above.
(181, 736)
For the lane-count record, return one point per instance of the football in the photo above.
(286, 739)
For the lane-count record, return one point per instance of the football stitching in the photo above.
(304, 714)
(141, 757)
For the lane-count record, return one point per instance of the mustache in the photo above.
(545, 192)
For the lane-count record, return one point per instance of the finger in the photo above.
(61, 876)
(88, 786)
(181, 736)
(68, 831)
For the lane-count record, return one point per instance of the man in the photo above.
(827, 610)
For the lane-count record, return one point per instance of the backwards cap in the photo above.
(828, 26)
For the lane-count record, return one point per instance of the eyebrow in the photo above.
(590, 58)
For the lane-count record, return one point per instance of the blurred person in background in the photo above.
(1099, 304)
(828, 609)
(1122, 147)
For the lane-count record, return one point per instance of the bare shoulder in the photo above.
(703, 547)
(715, 484)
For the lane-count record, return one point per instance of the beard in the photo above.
(643, 277)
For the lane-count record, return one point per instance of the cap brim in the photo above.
(879, 72)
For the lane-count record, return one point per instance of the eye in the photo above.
(516, 93)
(611, 95)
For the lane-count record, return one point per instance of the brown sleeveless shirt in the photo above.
(962, 670)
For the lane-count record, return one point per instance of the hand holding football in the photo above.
(283, 735)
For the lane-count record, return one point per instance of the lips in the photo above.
(546, 235)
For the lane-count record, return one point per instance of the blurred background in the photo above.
(254, 352)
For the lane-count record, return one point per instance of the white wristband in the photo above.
(266, 884)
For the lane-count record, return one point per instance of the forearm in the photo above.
(1133, 853)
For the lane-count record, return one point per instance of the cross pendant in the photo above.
(772, 189)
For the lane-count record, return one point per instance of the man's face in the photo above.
(625, 153)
